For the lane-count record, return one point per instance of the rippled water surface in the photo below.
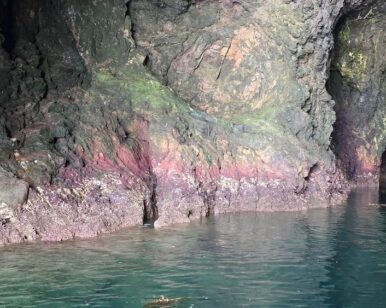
(327, 257)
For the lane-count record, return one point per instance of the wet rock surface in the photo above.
(122, 112)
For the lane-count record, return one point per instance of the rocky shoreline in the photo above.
(104, 204)
(118, 113)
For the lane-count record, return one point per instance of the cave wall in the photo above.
(118, 112)
(245, 62)
(358, 85)
(49, 117)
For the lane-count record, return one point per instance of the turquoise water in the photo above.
(320, 258)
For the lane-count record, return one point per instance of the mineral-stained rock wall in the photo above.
(118, 112)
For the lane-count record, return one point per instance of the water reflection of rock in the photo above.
(332, 257)
(358, 259)
(235, 246)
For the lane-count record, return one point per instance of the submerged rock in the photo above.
(163, 301)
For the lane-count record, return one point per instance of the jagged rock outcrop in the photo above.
(118, 112)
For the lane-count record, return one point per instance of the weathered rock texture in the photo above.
(118, 112)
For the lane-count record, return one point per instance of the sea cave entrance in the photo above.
(382, 176)
(357, 83)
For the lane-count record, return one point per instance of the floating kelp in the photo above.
(163, 301)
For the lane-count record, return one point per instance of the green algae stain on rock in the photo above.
(353, 65)
(140, 88)
(352, 60)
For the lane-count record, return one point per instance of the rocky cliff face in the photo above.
(358, 84)
(115, 113)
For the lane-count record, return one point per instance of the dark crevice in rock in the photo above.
(6, 25)
(208, 195)
(312, 171)
(128, 14)
(8, 132)
(147, 61)
(190, 213)
(150, 211)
